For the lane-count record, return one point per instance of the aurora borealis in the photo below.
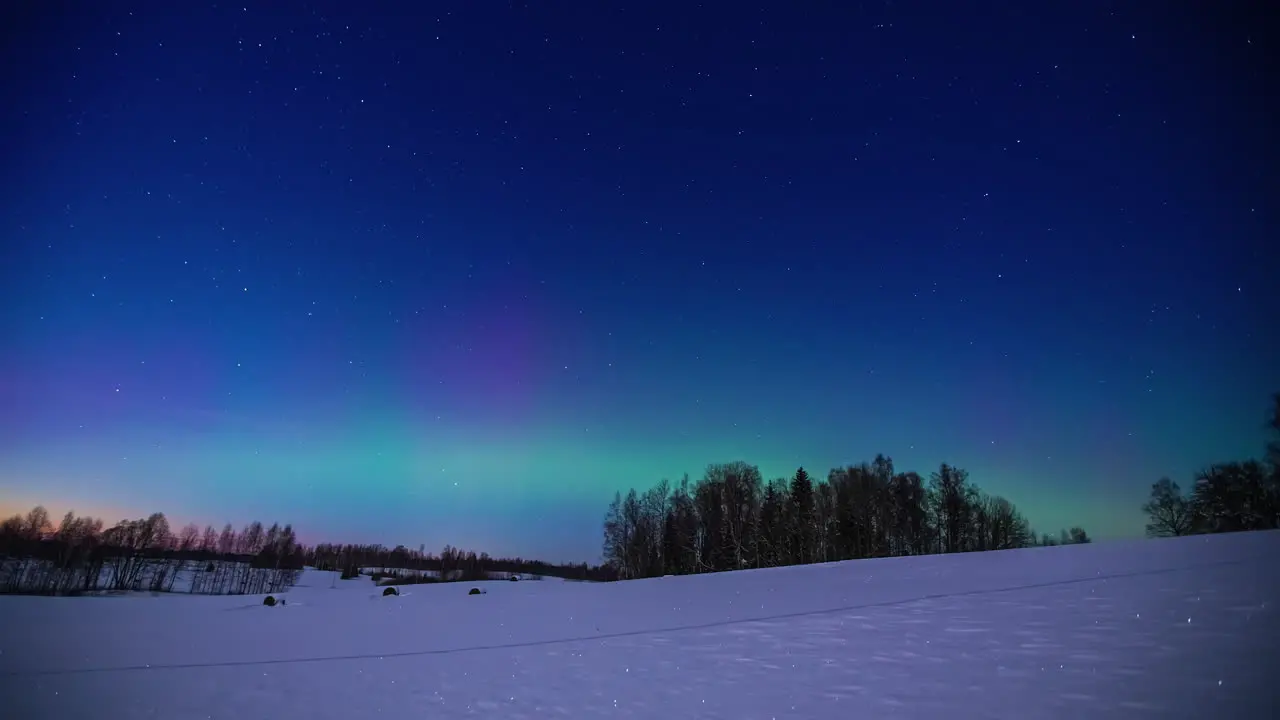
(456, 274)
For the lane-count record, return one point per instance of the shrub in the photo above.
(476, 591)
(390, 591)
(269, 601)
(514, 578)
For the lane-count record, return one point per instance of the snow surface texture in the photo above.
(1183, 628)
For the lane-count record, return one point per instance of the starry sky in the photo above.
(457, 272)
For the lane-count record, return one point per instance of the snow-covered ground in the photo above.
(1184, 628)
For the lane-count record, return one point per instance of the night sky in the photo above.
(457, 272)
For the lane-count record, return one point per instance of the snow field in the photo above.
(1181, 628)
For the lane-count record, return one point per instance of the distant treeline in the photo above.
(733, 519)
(1227, 497)
(451, 564)
(79, 556)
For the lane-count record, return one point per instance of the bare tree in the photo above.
(949, 492)
(209, 540)
(616, 539)
(37, 524)
(741, 487)
(1169, 514)
(188, 537)
(227, 540)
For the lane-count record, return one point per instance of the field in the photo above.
(1183, 628)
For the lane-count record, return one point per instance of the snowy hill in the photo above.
(1181, 628)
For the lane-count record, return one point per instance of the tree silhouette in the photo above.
(949, 490)
(730, 519)
(1079, 536)
(1226, 497)
(1232, 497)
(1169, 514)
(803, 518)
(80, 556)
(910, 514)
(773, 549)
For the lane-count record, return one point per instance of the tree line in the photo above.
(451, 564)
(81, 556)
(1225, 497)
(729, 519)
(733, 519)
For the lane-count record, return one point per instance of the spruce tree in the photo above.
(803, 530)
